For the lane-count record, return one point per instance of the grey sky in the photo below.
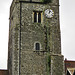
(4, 27)
(67, 25)
(67, 22)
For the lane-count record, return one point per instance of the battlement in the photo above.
(52, 2)
(28, 0)
(31, 0)
(43, 1)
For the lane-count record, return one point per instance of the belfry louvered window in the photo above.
(37, 16)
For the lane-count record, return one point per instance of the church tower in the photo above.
(34, 38)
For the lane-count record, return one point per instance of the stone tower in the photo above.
(34, 38)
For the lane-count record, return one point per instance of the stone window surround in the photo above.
(35, 46)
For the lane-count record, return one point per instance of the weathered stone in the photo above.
(24, 34)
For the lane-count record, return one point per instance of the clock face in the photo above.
(49, 13)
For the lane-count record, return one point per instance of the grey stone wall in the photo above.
(56, 66)
(24, 33)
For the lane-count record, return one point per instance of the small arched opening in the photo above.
(37, 46)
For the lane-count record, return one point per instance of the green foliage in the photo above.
(49, 63)
(47, 1)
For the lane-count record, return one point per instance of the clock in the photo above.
(49, 13)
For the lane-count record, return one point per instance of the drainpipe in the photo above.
(20, 40)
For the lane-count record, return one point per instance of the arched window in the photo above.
(37, 16)
(37, 46)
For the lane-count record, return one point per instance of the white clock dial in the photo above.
(49, 13)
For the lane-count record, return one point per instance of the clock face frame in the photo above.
(49, 13)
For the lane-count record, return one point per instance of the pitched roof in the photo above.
(3, 72)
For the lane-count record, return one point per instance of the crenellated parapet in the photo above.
(51, 2)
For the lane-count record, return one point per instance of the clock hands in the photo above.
(49, 11)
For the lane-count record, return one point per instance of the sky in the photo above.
(67, 27)
(67, 23)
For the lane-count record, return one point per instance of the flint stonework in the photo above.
(24, 33)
